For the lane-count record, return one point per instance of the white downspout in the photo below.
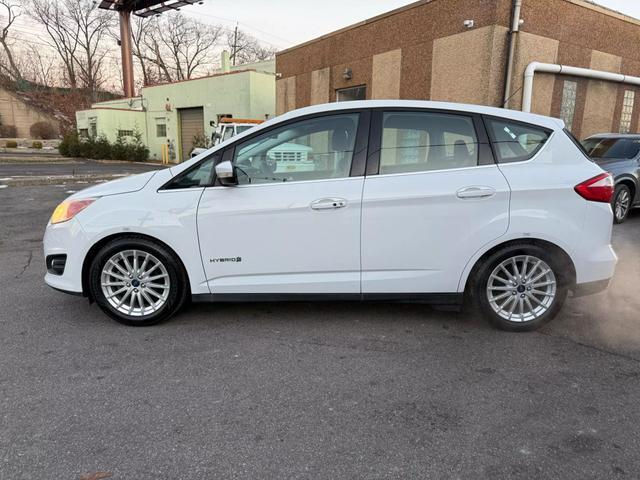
(533, 67)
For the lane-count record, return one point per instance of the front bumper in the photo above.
(68, 239)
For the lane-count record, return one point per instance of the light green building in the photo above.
(173, 114)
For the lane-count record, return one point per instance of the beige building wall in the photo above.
(467, 67)
(320, 86)
(15, 112)
(600, 104)
(534, 48)
(385, 75)
(285, 95)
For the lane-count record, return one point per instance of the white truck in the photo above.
(227, 128)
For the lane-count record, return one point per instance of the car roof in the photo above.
(548, 122)
(633, 136)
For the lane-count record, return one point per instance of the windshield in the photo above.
(612, 147)
(243, 128)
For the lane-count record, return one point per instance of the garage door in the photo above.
(191, 125)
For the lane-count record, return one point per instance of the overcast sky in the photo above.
(284, 23)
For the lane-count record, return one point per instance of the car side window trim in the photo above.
(485, 152)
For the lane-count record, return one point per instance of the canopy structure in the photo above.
(145, 8)
(140, 8)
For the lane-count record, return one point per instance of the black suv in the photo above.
(619, 154)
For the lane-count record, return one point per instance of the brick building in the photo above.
(458, 50)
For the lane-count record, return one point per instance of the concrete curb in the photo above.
(31, 181)
(54, 160)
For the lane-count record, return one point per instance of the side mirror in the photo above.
(226, 173)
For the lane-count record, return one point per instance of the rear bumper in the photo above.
(591, 288)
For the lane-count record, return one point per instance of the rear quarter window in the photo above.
(515, 141)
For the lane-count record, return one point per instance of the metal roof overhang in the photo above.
(145, 8)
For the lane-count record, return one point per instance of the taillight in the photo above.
(597, 189)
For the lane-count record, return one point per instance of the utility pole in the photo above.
(235, 44)
(127, 56)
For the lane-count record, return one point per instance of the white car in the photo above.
(414, 201)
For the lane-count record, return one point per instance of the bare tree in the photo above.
(140, 29)
(12, 11)
(93, 26)
(246, 48)
(178, 47)
(40, 66)
(76, 30)
(62, 34)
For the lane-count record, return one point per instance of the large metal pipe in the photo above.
(533, 67)
(513, 34)
(127, 56)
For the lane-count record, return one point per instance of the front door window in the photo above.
(315, 149)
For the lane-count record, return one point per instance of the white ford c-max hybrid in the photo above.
(406, 201)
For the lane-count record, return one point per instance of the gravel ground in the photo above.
(309, 390)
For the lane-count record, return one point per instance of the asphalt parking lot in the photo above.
(279, 391)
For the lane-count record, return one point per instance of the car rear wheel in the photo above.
(137, 282)
(621, 203)
(521, 288)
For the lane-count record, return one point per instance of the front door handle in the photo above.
(476, 192)
(328, 203)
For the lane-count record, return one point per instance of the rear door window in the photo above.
(514, 141)
(425, 141)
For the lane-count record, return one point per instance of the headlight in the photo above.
(69, 209)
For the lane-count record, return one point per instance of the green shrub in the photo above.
(43, 130)
(37, 145)
(70, 145)
(11, 144)
(100, 149)
(119, 149)
(8, 131)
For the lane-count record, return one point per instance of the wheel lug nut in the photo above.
(128, 284)
(522, 296)
(136, 290)
(528, 288)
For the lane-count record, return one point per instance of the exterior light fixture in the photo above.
(347, 74)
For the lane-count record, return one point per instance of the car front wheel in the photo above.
(137, 282)
(521, 288)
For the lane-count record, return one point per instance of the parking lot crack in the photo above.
(26, 265)
(593, 347)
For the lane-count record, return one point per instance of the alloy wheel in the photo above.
(521, 288)
(621, 205)
(135, 283)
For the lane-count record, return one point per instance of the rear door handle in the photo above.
(476, 192)
(328, 203)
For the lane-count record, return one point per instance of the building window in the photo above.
(83, 132)
(568, 108)
(351, 93)
(627, 111)
(125, 133)
(161, 130)
(93, 130)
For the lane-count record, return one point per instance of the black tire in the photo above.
(178, 281)
(618, 194)
(484, 270)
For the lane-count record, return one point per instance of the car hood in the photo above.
(128, 184)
